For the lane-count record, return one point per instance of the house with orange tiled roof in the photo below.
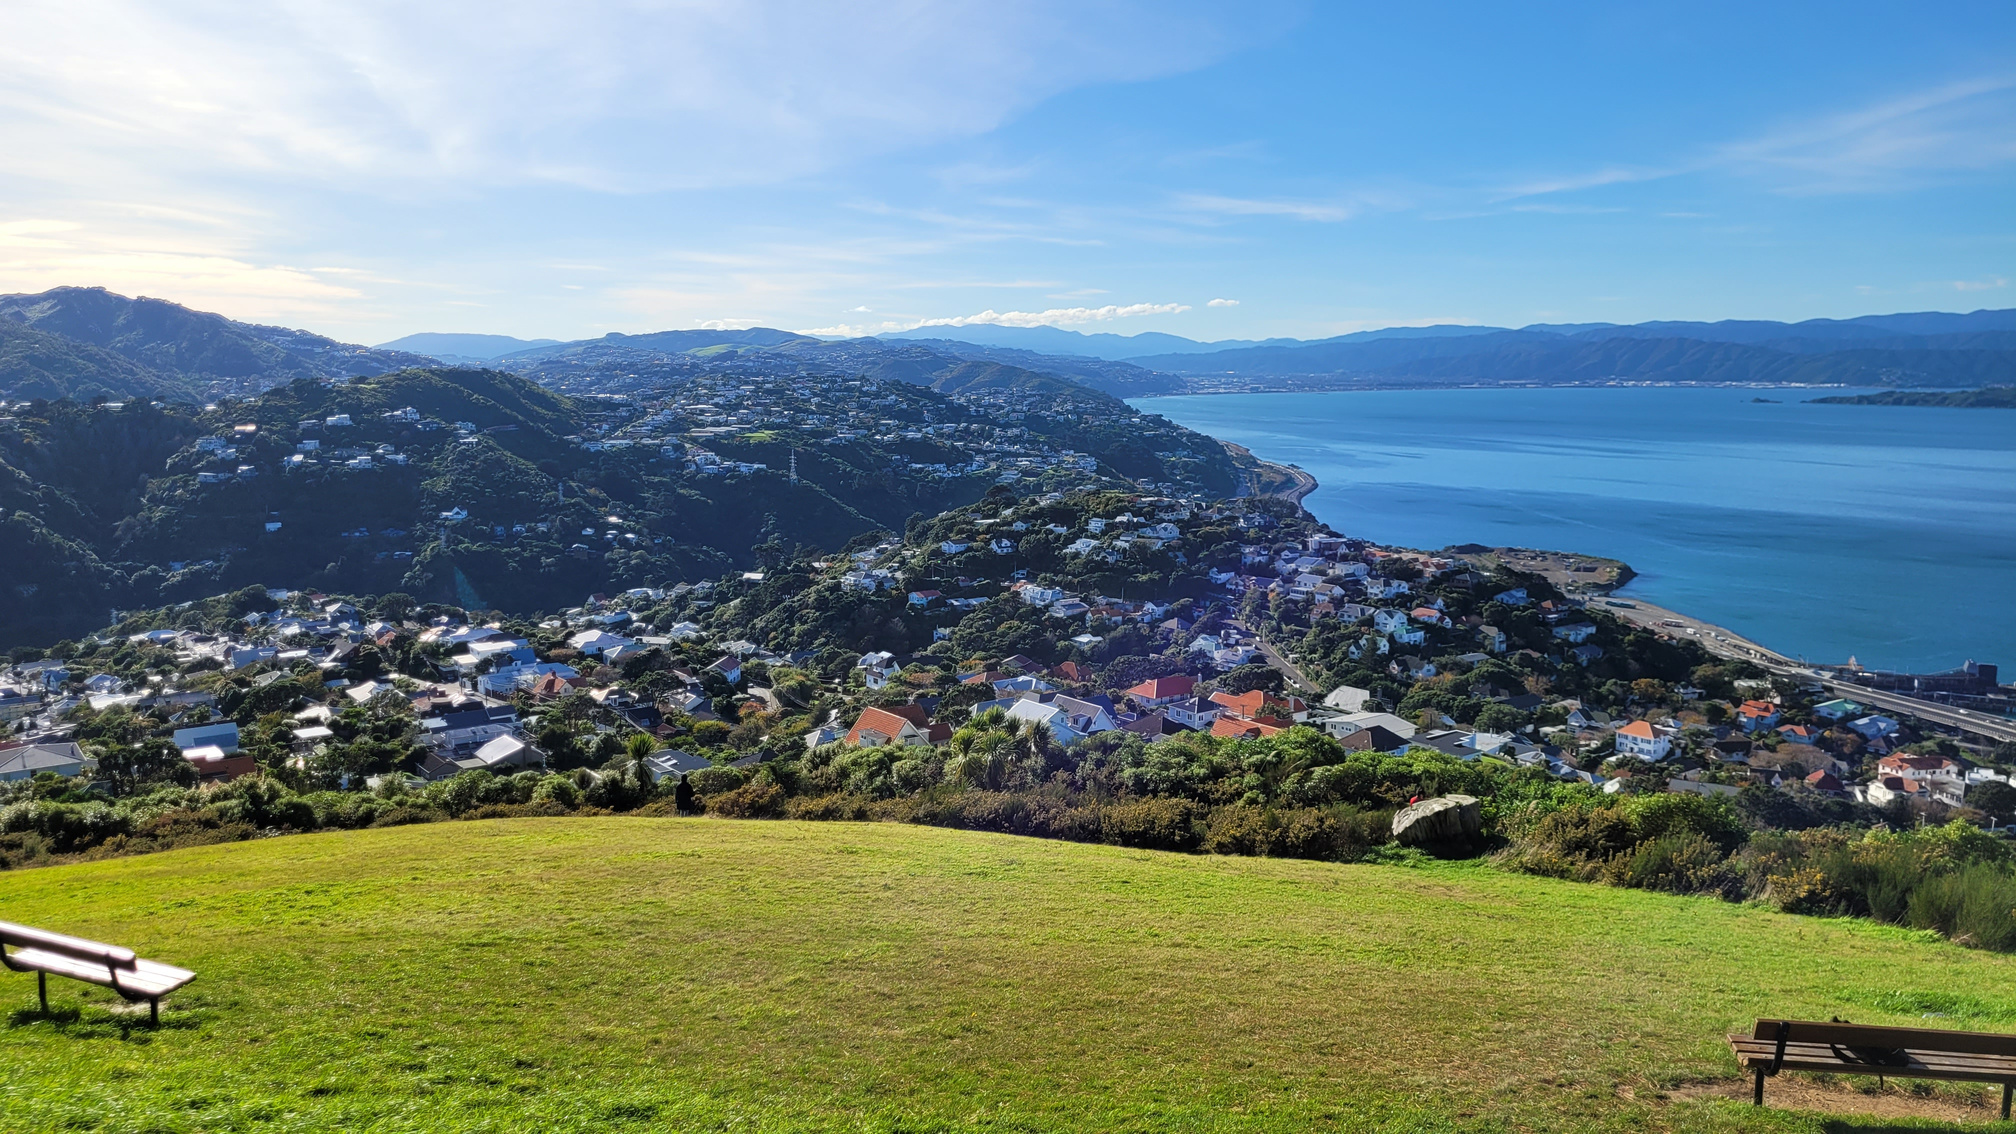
(1756, 716)
(1799, 734)
(1239, 728)
(1158, 691)
(1073, 672)
(1641, 740)
(1258, 705)
(552, 687)
(1920, 768)
(896, 724)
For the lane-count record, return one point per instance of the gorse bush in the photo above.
(1956, 879)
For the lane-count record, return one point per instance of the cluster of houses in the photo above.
(681, 413)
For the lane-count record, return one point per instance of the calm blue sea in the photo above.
(1824, 531)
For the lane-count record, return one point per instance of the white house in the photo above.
(594, 642)
(877, 668)
(1348, 698)
(1875, 726)
(1069, 718)
(1380, 587)
(64, 759)
(1639, 739)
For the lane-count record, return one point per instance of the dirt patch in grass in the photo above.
(1894, 1098)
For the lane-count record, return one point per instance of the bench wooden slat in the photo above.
(1880, 1036)
(1755, 1054)
(28, 937)
(146, 978)
(1871, 1049)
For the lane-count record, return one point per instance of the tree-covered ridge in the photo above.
(1990, 397)
(484, 488)
(174, 349)
(37, 364)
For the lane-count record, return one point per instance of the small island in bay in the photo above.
(1991, 397)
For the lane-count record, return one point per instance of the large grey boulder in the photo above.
(1444, 819)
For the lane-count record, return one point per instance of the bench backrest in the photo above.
(1879, 1037)
(28, 937)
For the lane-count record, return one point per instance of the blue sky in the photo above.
(372, 169)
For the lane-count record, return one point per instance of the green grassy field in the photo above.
(605, 974)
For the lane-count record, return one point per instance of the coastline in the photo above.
(1271, 478)
(1316, 384)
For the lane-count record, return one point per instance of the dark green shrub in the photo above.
(1156, 824)
(1685, 863)
(1239, 829)
(839, 806)
(757, 799)
(1972, 905)
(713, 781)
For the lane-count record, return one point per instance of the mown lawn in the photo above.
(605, 974)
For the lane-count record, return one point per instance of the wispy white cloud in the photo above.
(1059, 316)
(602, 93)
(1570, 183)
(1250, 207)
(1989, 284)
(40, 253)
(1223, 303)
(1566, 209)
(1054, 317)
(1902, 142)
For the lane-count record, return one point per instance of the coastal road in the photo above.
(1980, 724)
(1719, 641)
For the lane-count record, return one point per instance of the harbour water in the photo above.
(1886, 533)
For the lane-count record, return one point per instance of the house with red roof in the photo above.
(896, 724)
(1158, 691)
(1258, 705)
(1921, 769)
(1239, 728)
(1799, 734)
(552, 687)
(1755, 716)
(1073, 672)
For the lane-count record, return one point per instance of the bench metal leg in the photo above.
(154, 1019)
(1757, 1099)
(2006, 1089)
(42, 989)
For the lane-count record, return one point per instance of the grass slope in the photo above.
(581, 974)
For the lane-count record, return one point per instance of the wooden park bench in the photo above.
(1863, 1049)
(135, 978)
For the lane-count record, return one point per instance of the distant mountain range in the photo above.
(462, 348)
(1151, 347)
(1056, 340)
(88, 342)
